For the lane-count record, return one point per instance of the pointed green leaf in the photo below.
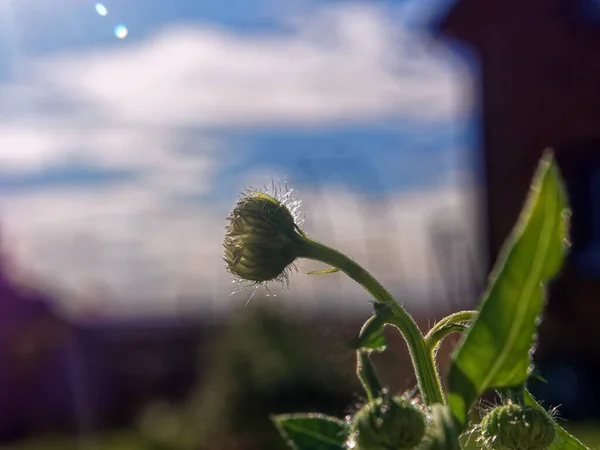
(371, 336)
(495, 351)
(535, 373)
(562, 440)
(312, 431)
(324, 271)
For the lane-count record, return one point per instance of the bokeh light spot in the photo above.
(101, 9)
(121, 31)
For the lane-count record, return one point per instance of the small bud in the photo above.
(389, 424)
(515, 427)
(261, 238)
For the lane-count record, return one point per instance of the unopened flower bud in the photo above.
(515, 427)
(389, 424)
(261, 238)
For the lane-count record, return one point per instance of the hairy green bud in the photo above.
(515, 427)
(389, 424)
(261, 238)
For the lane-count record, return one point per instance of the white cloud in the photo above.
(126, 108)
(25, 148)
(347, 62)
(147, 250)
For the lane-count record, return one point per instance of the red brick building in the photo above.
(538, 64)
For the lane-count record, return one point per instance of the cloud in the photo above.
(149, 107)
(340, 63)
(109, 106)
(126, 106)
(150, 253)
(35, 147)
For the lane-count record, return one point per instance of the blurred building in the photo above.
(538, 70)
(60, 375)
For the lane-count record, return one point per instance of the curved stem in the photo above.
(435, 339)
(452, 319)
(423, 362)
(426, 371)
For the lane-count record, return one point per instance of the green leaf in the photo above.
(495, 351)
(562, 440)
(371, 336)
(312, 431)
(324, 271)
(535, 373)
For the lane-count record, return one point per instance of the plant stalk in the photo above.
(426, 372)
(454, 318)
(367, 375)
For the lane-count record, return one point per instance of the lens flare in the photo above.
(121, 31)
(101, 9)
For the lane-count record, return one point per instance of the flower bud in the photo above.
(515, 427)
(261, 238)
(389, 424)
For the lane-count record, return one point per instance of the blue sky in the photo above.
(164, 126)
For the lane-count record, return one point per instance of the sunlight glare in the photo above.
(121, 31)
(101, 9)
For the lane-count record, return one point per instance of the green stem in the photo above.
(456, 318)
(435, 339)
(516, 394)
(367, 375)
(454, 323)
(422, 358)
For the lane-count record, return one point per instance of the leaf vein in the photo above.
(530, 284)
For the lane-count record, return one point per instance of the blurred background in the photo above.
(409, 129)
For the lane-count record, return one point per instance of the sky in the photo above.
(128, 129)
